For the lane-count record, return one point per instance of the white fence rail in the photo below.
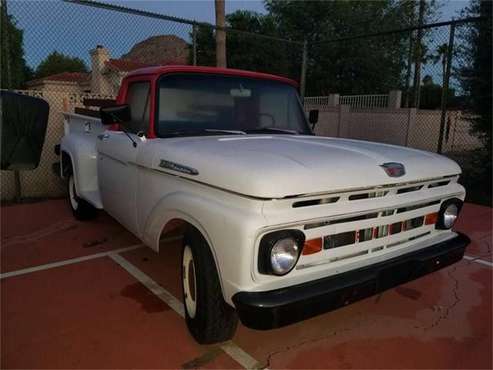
(365, 101)
(353, 101)
(316, 100)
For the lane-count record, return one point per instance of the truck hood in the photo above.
(278, 166)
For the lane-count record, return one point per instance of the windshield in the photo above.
(190, 105)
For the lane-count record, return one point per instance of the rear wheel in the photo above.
(81, 209)
(209, 318)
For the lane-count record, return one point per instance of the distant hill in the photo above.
(164, 49)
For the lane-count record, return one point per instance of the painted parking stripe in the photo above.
(150, 284)
(70, 261)
(229, 347)
(79, 259)
(240, 356)
(478, 260)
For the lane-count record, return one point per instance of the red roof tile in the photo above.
(67, 76)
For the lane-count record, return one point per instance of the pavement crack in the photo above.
(444, 314)
(268, 361)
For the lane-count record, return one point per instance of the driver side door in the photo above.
(117, 156)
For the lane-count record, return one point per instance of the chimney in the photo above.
(99, 82)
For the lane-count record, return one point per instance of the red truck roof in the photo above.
(159, 70)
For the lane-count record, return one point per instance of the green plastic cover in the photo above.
(22, 129)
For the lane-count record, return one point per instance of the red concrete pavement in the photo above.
(442, 320)
(45, 232)
(95, 315)
(476, 222)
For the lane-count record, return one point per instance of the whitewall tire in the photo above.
(81, 209)
(209, 318)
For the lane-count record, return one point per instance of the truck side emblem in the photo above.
(394, 169)
(178, 167)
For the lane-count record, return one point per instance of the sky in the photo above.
(203, 10)
(74, 29)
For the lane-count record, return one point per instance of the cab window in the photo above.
(138, 98)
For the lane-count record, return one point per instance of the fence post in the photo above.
(445, 87)
(194, 43)
(408, 72)
(342, 128)
(303, 69)
(18, 189)
(411, 121)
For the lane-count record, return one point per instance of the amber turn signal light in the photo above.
(312, 246)
(431, 219)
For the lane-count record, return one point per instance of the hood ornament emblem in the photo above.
(394, 169)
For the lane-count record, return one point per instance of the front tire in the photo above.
(209, 318)
(81, 209)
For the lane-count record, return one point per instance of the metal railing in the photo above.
(322, 101)
(365, 101)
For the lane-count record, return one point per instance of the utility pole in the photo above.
(220, 34)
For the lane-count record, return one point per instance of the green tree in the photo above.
(353, 66)
(248, 51)
(441, 56)
(475, 76)
(206, 46)
(57, 63)
(431, 94)
(14, 71)
(474, 73)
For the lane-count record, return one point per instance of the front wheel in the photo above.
(209, 318)
(81, 209)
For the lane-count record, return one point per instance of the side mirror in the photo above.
(23, 125)
(313, 117)
(115, 114)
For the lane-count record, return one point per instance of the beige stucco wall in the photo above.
(41, 182)
(409, 127)
(64, 86)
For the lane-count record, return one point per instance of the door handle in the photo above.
(103, 137)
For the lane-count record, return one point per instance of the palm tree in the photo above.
(441, 55)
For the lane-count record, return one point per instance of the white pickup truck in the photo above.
(278, 224)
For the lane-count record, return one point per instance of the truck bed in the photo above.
(79, 141)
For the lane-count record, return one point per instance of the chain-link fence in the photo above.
(407, 87)
(104, 43)
(404, 87)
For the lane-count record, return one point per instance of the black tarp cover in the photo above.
(22, 130)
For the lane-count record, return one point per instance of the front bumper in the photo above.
(276, 308)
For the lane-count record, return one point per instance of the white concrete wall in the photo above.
(406, 126)
(42, 182)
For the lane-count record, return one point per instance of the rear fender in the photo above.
(83, 158)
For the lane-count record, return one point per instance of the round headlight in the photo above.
(284, 255)
(450, 215)
(449, 211)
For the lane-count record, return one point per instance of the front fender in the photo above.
(178, 205)
(228, 224)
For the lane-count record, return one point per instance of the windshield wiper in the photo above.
(234, 132)
(272, 130)
(202, 132)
